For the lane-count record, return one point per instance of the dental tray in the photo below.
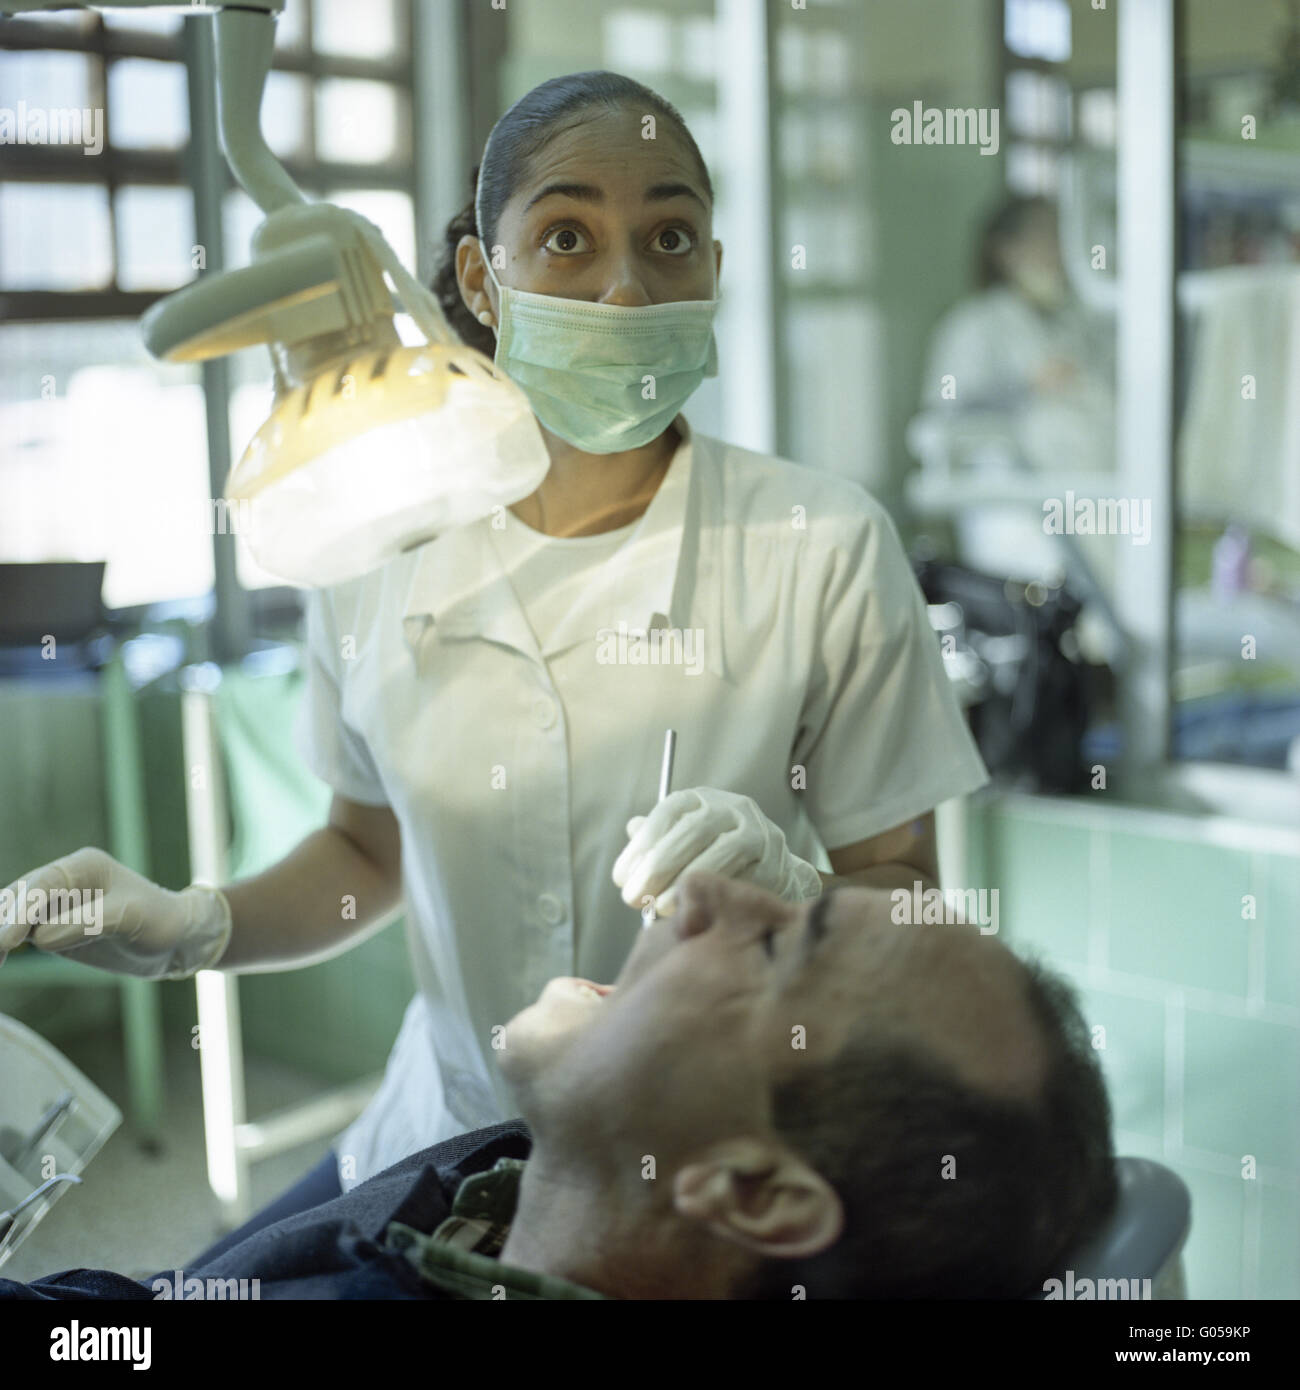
(33, 1077)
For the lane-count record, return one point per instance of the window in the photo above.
(1038, 29)
(1036, 37)
(97, 220)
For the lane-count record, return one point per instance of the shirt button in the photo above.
(544, 709)
(551, 908)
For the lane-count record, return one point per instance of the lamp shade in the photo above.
(379, 454)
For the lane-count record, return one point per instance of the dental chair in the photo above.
(1144, 1237)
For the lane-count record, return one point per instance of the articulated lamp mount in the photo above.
(372, 447)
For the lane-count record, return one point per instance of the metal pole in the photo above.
(441, 99)
(231, 625)
(1146, 265)
(753, 407)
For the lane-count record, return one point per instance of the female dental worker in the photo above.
(490, 707)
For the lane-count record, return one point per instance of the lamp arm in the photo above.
(245, 42)
(418, 301)
(244, 45)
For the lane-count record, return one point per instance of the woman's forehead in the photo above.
(610, 146)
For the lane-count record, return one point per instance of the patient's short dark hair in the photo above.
(1033, 1181)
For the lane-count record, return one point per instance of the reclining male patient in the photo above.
(773, 1101)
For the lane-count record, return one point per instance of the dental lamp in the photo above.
(372, 447)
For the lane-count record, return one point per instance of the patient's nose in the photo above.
(703, 899)
(696, 895)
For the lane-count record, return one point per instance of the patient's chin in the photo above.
(566, 1008)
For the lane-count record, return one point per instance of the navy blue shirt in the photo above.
(336, 1250)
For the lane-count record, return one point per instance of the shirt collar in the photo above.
(458, 584)
(460, 1257)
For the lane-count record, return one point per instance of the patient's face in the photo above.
(739, 991)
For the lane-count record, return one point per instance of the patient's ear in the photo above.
(760, 1195)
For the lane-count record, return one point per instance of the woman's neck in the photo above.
(585, 494)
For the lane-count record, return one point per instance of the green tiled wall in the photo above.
(1198, 1003)
(1132, 1057)
(1176, 912)
(1046, 899)
(1279, 907)
(1241, 1088)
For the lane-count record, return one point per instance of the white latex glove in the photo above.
(143, 929)
(704, 830)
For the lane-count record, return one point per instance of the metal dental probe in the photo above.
(9, 1218)
(648, 913)
(16, 1149)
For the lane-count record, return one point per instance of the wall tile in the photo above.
(1132, 1058)
(1041, 873)
(1279, 1244)
(1176, 912)
(1279, 910)
(1242, 1077)
(1212, 1256)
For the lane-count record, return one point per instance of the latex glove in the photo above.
(704, 830)
(135, 928)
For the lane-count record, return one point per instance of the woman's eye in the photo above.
(677, 241)
(566, 240)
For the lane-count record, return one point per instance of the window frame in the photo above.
(199, 166)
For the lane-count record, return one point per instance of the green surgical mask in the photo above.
(604, 376)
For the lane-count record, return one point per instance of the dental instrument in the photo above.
(648, 913)
(10, 1217)
(16, 1148)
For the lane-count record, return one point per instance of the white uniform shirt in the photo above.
(804, 660)
(551, 573)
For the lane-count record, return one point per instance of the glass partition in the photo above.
(1236, 678)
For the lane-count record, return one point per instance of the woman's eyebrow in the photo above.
(661, 192)
(582, 192)
(589, 193)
